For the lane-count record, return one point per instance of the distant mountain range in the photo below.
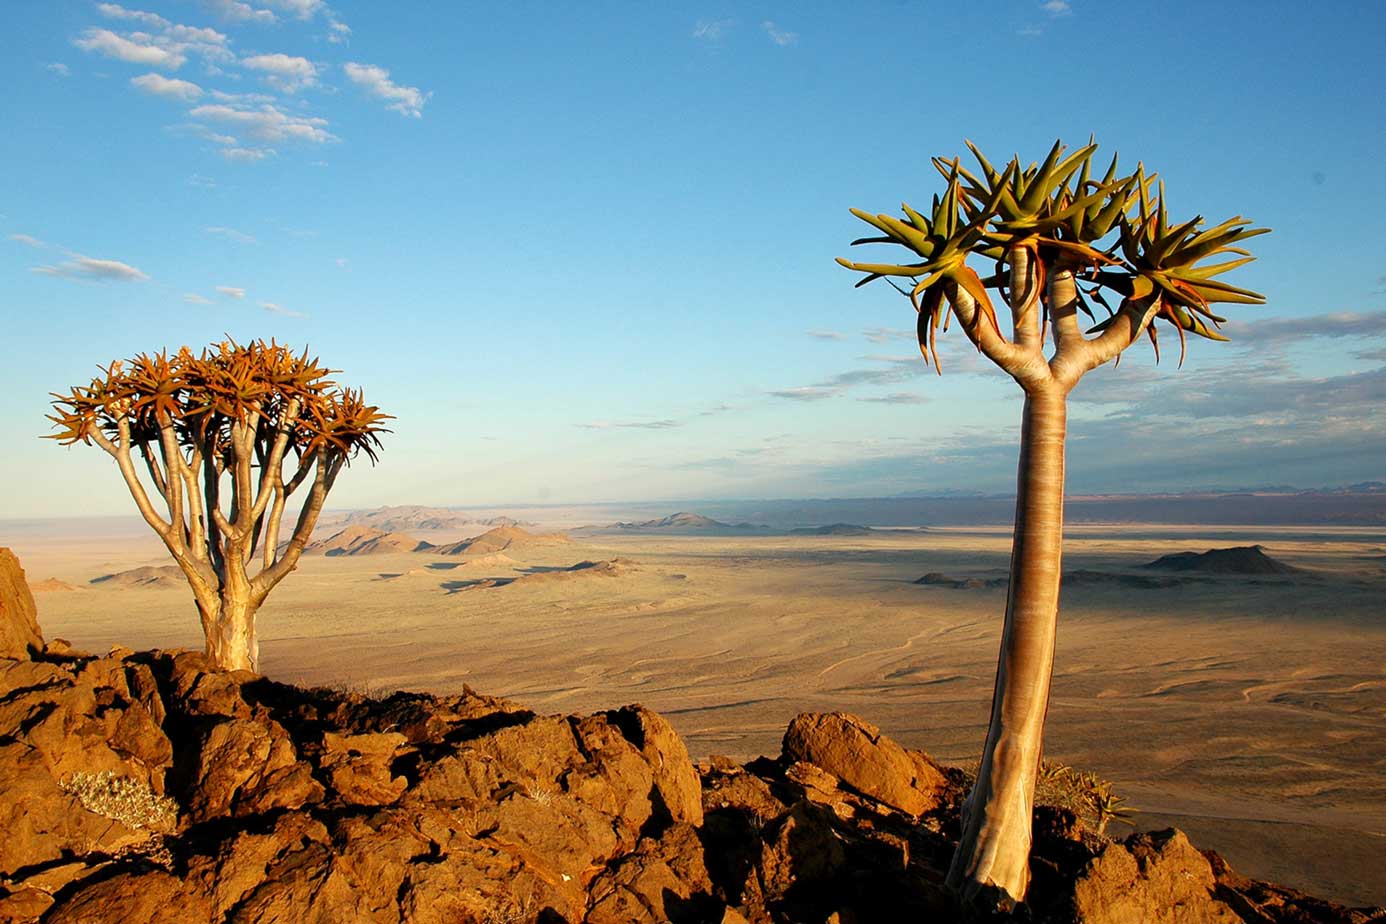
(414, 516)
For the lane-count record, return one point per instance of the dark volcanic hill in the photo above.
(835, 529)
(1246, 559)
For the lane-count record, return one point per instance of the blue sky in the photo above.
(586, 252)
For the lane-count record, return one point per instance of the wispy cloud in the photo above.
(58, 68)
(887, 334)
(231, 234)
(231, 291)
(116, 11)
(718, 409)
(806, 393)
(897, 397)
(343, 263)
(712, 30)
(275, 308)
(236, 11)
(266, 123)
(630, 425)
(246, 155)
(285, 73)
(138, 50)
(338, 33)
(1364, 324)
(826, 334)
(299, 9)
(159, 85)
(779, 36)
(1057, 7)
(192, 298)
(27, 240)
(375, 80)
(91, 269)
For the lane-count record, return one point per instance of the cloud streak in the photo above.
(92, 269)
(375, 80)
(630, 425)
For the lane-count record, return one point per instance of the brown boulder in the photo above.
(662, 880)
(145, 898)
(359, 767)
(19, 631)
(245, 767)
(675, 778)
(1157, 878)
(865, 761)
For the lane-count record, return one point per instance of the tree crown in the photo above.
(1113, 233)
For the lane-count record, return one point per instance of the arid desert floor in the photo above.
(1248, 710)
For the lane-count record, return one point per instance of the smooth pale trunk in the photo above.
(993, 857)
(229, 628)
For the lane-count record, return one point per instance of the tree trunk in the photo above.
(230, 631)
(992, 863)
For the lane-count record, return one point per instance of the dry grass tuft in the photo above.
(124, 799)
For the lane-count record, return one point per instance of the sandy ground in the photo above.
(1250, 712)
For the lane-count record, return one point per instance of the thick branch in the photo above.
(173, 462)
(120, 451)
(1070, 344)
(1130, 322)
(1026, 366)
(1025, 297)
(327, 467)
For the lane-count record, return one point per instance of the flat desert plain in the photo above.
(1249, 710)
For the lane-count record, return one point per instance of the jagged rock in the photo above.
(674, 777)
(865, 760)
(19, 632)
(245, 767)
(1157, 878)
(663, 880)
(359, 767)
(153, 897)
(801, 852)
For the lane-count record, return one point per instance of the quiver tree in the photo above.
(1057, 241)
(225, 439)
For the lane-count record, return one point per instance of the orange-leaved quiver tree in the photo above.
(1054, 238)
(225, 438)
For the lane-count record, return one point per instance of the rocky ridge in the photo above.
(141, 788)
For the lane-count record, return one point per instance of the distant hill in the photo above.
(364, 540)
(1247, 559)
(835, 529)
(500, 539)
(415, 517)
(146, 576)
(685, 522)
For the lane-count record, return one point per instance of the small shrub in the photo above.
(124, 799)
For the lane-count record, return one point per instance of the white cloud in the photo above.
(236, 11)
(90, 268)
(338, 33)
(779, 36)
(1057, 7)
(173, 88)
(274, 308)
(231, 291)
(231, 234)
(343, 262)
(267, 123)
(58, 68)
(284, 72)
(116, 11)
(246, 155)
(826, 334)
(806, 393)
(245, 99)
(375, 80)
(138, 49)
(712, 30)
(27, 240)
(192, 298)
(299, 9)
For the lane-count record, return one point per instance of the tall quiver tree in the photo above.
(224, 439)
(1055, 238)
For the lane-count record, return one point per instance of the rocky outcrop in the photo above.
(19, 631)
